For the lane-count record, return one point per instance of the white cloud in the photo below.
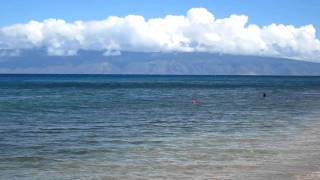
(197, 31)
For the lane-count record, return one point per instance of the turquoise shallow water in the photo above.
(145, 127)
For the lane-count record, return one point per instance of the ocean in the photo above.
(146, 127)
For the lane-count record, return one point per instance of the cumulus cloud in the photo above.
(197, 31)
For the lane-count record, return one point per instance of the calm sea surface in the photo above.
(145, 127)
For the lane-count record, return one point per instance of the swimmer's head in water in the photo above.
(194, 101)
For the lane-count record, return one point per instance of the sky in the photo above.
(261, 12)
(283, 28)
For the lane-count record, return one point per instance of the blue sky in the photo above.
(295, 12)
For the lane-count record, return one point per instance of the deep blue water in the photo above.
(145, 127)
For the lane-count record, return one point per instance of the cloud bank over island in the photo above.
(197, 31)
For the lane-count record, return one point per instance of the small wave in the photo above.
(23, 159)
(148, 85)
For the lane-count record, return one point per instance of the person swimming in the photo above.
(264, 95)
(194, 101)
